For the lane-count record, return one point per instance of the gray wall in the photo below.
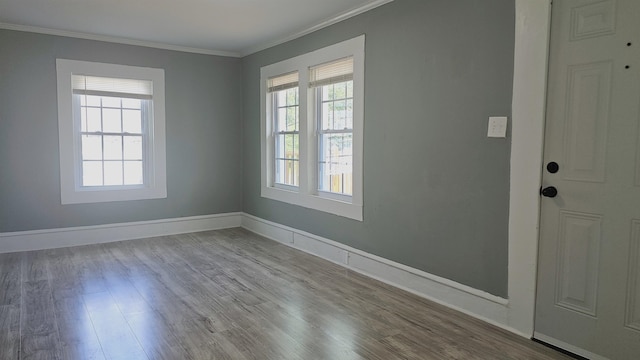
(203, 127)
(436, 189)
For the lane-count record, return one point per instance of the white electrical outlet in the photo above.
(497, 127)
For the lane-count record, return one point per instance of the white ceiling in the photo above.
(222, 27)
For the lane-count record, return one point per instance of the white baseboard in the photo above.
(86, 235)
(471, 301)
(474, 302)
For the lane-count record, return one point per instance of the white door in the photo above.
(588, 296)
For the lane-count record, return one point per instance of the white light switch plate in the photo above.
(497, 127)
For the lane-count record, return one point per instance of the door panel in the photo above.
(578, 256)
(588, 100)
(588, 294)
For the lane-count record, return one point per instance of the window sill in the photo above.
(88, 195)
(316, 202)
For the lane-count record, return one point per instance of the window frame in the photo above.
(71, 189)
(275, 107)
(307, 193)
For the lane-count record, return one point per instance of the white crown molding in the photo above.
(333, 20)
(248, 51)
(97, 234)
(117, 40)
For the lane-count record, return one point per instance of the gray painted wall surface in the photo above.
(436, 189)
(203, 116)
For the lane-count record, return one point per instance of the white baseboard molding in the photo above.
(86, 235)
(567, 347)
(471, 301)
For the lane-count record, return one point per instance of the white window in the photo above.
(312, 129)
(112, 132)
(285, 105)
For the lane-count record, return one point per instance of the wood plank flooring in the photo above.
(227, 294)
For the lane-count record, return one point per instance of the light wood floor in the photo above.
(226, 294)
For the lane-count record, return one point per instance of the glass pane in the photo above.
(110, 102)
(280, 146)
(340, 115)
(296, 146)
(91, 173)
(291, 172)
(327, 116)
(281, 122)
(133, 173)
(111, 120)
(132, 121)
(324, 180)
(280, 172)
(349, 114)
(289, 146)
(91, 147)
(350, 89)
(131, 103)
(112, 147)
(336, 163)
(340, 90)
(292, 117)
(282, 98)
(93, 119)
(292, 97)
(93, 100)
(132, 148)
(325, 93)
(296, 170)
(113, 173)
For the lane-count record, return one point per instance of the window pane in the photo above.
(132, 121)
(111, 120)
(290, 145)
(91, 147)
(327, 116)
(280, 172)
(132, 148)
(292, 118)
(292, 96)
(291, 173)
(93, 119)
(340, 90)
(113, 173)
(280, 146)
(336, 163)
(133, 173)
(93, 100)
(282, 98)
(131, 103)
(91, 173)
(112, 148)
(281, 121)
(110, 102)
(349, 114)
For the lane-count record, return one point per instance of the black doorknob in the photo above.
(553, 167)
(549, 191)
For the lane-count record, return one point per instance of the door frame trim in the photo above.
(532, 29)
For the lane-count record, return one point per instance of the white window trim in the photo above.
(71, 191)
(306, 194)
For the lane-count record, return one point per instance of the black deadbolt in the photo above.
(549, 191)
(553, 167)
